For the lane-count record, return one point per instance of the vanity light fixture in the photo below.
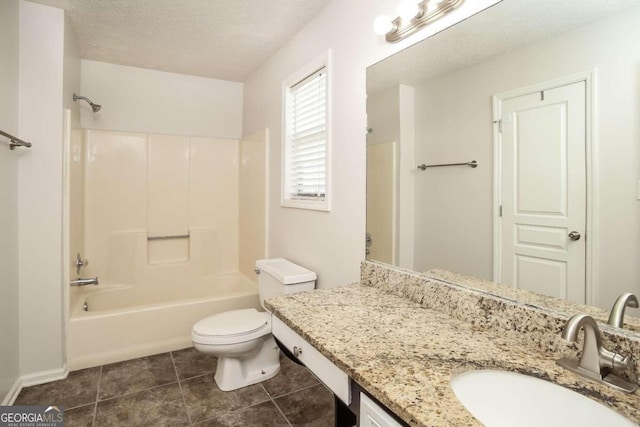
(413, 15)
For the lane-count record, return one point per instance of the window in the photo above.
(306, 138)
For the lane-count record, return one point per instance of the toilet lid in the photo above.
(231, 323)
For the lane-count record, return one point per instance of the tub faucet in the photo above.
(80, 262)
(84, 282)
(616, 318)
(596, 362)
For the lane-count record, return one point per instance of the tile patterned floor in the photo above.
(177, 389)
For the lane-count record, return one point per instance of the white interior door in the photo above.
(543, 192)
(381, 201)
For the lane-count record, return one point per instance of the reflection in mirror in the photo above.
(545, 96)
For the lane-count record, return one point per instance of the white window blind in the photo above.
(307, 138)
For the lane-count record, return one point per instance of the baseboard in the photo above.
(13, 393)
(45, 376)
(34, 379)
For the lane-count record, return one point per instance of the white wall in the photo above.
(331, 243)
(149, 101)
(391, 116)
(406, 205)
(71, 76)
(9, 347)
(40, 195)
(73, 194)
(252, 193)
(455, 125)
(383, 122)
(454, 211)
(383, 116)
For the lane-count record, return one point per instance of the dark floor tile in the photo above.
(80, 417)
(160, 406)
(205, 400)
(136, 375)
(291, 377)
(312, 406)
(79, 388)
(263, 414)
(192, 363)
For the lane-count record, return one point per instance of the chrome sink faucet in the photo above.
(596, 362)
(616, 318)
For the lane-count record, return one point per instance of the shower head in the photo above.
(94, 107)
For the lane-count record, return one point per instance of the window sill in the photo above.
(314, 205)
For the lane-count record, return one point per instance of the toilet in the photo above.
(247, 352)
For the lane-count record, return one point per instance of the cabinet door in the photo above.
(372, 415)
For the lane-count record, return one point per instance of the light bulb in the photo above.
(408, 9)
(382, 25)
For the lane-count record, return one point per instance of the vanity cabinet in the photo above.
(332, 377)
(372, 415)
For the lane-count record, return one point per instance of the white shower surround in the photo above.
(152, 291)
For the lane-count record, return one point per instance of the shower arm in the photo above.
(94, 107)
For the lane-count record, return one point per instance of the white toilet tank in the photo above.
(279, 276)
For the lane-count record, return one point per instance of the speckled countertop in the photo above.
(531, 298)
(405, 355)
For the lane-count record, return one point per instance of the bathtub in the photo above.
(125, 322)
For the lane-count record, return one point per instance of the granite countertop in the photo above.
(405, 355)
(549, 303)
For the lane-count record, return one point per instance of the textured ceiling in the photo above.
(221, 39)
(504, 27)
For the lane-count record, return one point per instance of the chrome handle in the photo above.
(574, 235)
(79, 263)
(84, 282)
(297, 351)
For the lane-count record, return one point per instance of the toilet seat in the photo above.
(232, 327)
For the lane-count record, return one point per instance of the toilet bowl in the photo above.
(247, 352)
(242, 340)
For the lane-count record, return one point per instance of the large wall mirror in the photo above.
(545, 97)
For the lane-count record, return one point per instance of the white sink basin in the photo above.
(500, 398)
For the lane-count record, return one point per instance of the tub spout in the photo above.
(84, 282)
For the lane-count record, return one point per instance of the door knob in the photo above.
(574, 235)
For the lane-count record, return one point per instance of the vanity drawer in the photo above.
(336, 380)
